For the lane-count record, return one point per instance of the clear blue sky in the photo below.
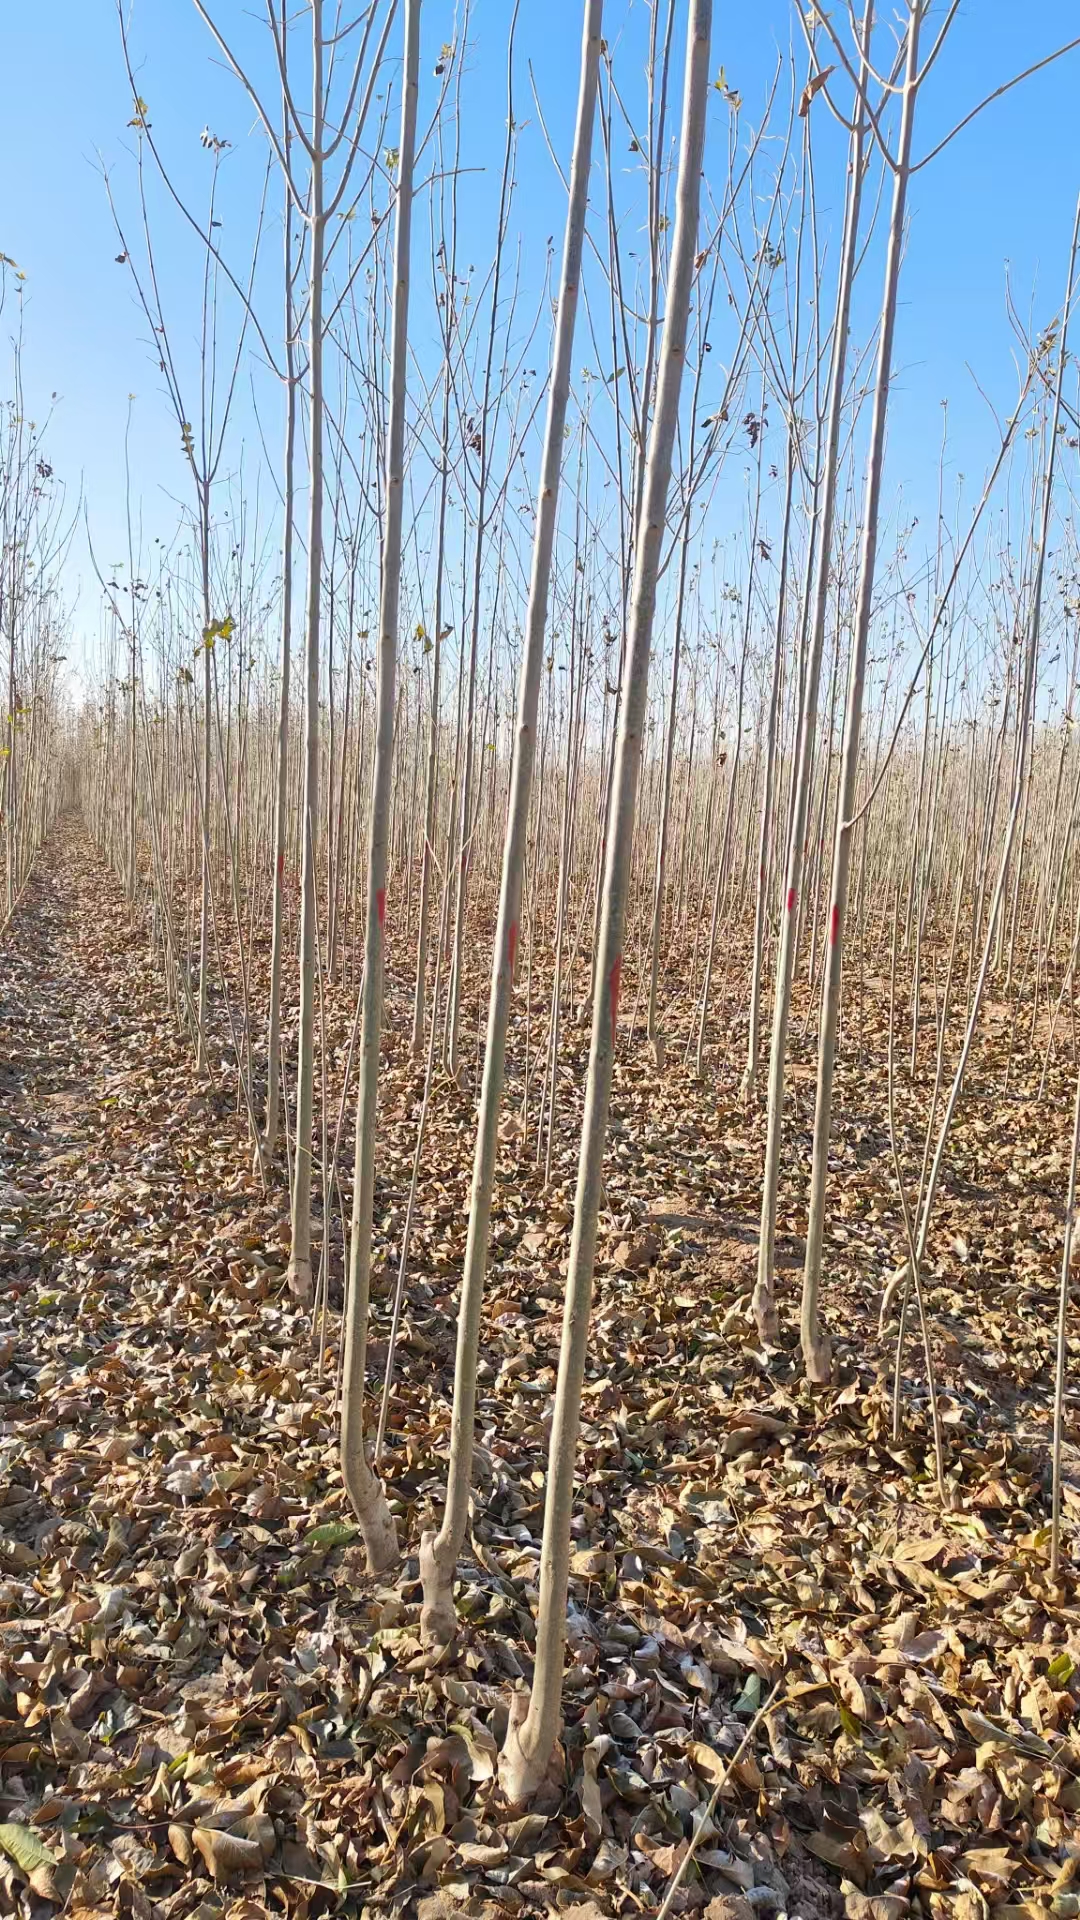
(1004, 192)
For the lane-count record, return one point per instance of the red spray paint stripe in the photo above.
(512, 945)
(281, 866)
(613, 985)
(380, 906)
(834, 926)
(791, 899)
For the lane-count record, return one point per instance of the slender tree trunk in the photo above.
(815, 1345)
(669, 763)
(757, 963)
(427, 855)
(364, 1488)
(465, 835)
(1062, 1346)
(300, 1258)
(204, 910)
(281, 791)
(439, 1553)
(534, 1718)
(764, 1303)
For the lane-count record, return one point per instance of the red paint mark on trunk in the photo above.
(511, 946)
(380, 906)
(280, 867)
(614, 978)
(834, 926)
(791, 899)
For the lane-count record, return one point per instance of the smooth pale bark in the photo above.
(364, 1488)
(534, 1718)
(300, 1256)
(281, 789)
(763, 1298)
(428, 862)
(574, 733)
(439, 1552)
(736, 761)
(427, 856)
(640, 400)
(815, 1345)
(660, 874)
(1062, 1347)
(757, 963)
(921, 784)
(466, 798)
(205, 902)
(914, 1264)
(132, 865)
(660, 880)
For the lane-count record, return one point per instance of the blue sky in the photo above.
(1003, 192)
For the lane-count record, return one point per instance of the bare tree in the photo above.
(534, 1717)
(764, 1306)
(439, 1552)
(316, 203)
(364, 1488)
(815, 1344)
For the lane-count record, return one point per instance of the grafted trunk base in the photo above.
(438, 1615)
(525, 1756)
(377, 1525)
(300, 1282)
(817, 1355)
(266, 1149)
(766, 1316)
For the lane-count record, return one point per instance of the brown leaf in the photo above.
(994, 1864)
(227, 1855)
(839, 1854)
(812, 87)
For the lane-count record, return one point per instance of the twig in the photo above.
(703, 1821)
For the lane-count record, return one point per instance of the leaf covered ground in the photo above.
(207, 1707)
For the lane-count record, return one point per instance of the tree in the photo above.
(315, 205)
(439, 1552)
(365, 1490)
(534, 1717)
(815, 1343)
(825, 497)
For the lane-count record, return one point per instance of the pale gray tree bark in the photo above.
(364, 1488)
(764, 1305)
(816, 1348)
(1062, 1347)
(281, 788)
(534, 1718)
(300, 1256)
(439, 1552)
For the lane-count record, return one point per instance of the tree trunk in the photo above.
(300, 1256)
(439, 1553)
(815, 1345)
(364, 1488)
(763, 1293)
(281, 790)
(534, 1719)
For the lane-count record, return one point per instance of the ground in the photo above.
(206, 1706)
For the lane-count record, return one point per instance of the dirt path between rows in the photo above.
(54, 1035)
(97, 1091)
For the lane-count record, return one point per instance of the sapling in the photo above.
(534, 1717)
